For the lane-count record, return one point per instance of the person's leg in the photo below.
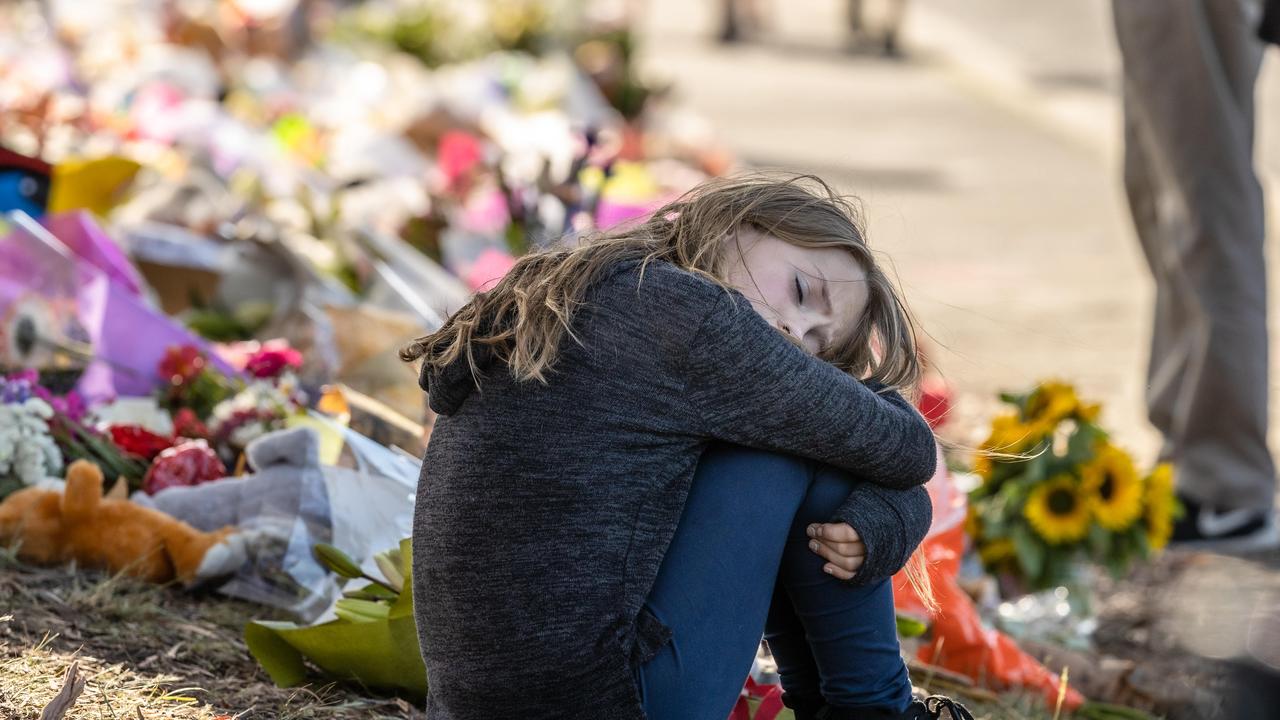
(849, 652)
(1189, 73)
(716, 581)
(747, 510)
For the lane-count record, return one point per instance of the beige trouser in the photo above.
(1189, 73)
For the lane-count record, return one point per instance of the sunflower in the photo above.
(1089, 412)
(1162, 506)
(1050, 402)
(982, 465)
(1009, 436)
(1114, 488)
(1058, 511)
(996, 551)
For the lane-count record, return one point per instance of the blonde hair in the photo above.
(526, 316)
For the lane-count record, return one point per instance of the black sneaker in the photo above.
(928, 709)
(1206, 528)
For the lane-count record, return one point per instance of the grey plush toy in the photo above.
(282, 510)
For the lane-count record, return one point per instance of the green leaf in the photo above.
(403, 606)
(1038, 466)
(1016, 399)
(1099, 541)
(361, 611)
(268, 646)
(10, 484)
(1081, 444)
(909, 627)
(1031, 550)
(381, 655)
(1103, 711)
(337, 561)
(372, 591)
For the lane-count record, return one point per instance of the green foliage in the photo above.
(909, 627)
(374, 641)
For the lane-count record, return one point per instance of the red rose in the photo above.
(189, 463)
(137, 440)
(270, 362)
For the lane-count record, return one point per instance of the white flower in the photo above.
(27, 451)
(144, 412)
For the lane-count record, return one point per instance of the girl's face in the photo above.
(814, 295)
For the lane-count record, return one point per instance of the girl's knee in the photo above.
(827, 492)
(754, 467)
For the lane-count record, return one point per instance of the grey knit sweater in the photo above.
(544, 510)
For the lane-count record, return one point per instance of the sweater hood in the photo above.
(448, 388)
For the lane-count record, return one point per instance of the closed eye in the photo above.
(799, 291)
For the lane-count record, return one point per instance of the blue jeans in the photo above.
(738, 567)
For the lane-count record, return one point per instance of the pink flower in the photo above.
(458, 155)
(270, 361)
(189, 463)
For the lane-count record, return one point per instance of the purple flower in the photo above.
(18, 387)
(21, 386)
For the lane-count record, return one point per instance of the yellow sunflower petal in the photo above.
(1058, 511)
(1113, 487)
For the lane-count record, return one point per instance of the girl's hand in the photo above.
(840, 546)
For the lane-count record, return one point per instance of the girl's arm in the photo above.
(751, 386)
(891, 523)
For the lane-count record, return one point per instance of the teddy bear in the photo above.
(79, 524)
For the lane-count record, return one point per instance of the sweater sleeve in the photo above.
(751, 386)
(892, 523)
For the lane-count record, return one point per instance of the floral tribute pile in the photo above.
(1055, 492)
(194, 430)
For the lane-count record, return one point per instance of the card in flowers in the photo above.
(1056, 491)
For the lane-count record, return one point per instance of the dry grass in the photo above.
(159, 652)
(30, 678)
(147, 651)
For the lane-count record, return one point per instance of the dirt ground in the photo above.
(149, 652)
(156, 652)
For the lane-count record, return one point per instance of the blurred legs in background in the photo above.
(1189, 73)
(743, 19)
(891, 24)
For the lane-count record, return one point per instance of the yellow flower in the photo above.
(1051, 402)
(996, 551)
(1089, 412)
(973, 523)
(1162, 506)
(1113, 487)
(1058, 511)
(1010, 435)
(982, 465)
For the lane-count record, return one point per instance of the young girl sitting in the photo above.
(656, 445)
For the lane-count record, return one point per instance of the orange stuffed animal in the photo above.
(79, 524)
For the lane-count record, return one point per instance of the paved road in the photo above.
(1009, 234)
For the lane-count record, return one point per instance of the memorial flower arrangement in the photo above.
(1056, 491)
(197, 428)
(28, 453)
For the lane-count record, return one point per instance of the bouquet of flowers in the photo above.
(28, 453)
(1055, 490)
(372, 642)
